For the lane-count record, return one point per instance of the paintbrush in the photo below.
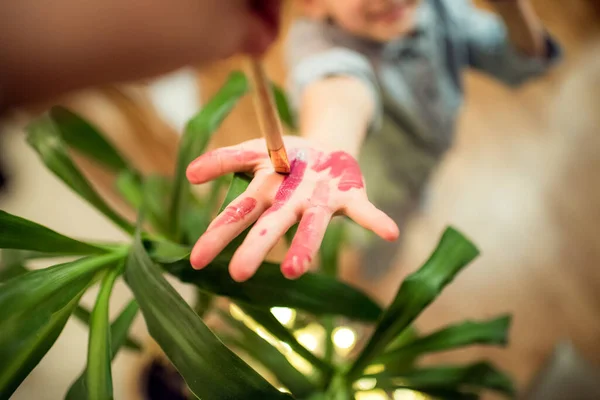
(268, 117)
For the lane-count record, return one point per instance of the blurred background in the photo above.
(521, 183)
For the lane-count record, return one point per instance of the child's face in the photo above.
(381, 20)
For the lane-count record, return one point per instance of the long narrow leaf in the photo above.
(197, 134)
(331, 247)
(80, 312)
(45, 138)
(314, 293)
(203, 303)
(28, 291)
(481, 375)
(330, 254)
(209, 368)
(271, 324)
(263, 352)
(80, 135)
(452, 254)
(156, 191)
(26, 338)
(99, 371)
(19, 233)
(164, 251)
(492, 332)
(118, 335)
(129, 185)
(12, 264)
(84, 315)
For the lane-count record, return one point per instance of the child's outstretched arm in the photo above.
(336, 112)
(510, 45)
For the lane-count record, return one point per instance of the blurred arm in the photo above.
(525, 29)
(335, 113)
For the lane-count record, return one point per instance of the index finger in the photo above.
(223, 161)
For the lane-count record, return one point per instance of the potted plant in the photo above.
(215, 363)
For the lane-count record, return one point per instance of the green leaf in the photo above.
(330, 253)
(156, 191)
(492, 332)
(283, 107)
(19, 233)
(26, 292)
(271, 324)
(118, 338)
(129, 185)
(12, 264)
(84, 315)
(452, 254)
(203, 302)
(34, 309)
(209, 368)
(164, 251)
(481, 375)
(25, 341)
(99, 375)
(271, 358)
(14, 268)
(314, 293)
(196, 137)
(45, 138)
(289, 235)
(406, 336)
(85, 138)
(331, 246)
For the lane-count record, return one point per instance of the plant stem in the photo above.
(328, 324)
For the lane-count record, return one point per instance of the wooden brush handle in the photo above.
(269, 121)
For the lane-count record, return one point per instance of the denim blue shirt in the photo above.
(417, 84)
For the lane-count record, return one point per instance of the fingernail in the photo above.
(295, 268)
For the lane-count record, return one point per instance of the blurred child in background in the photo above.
(379, 78)
(384, 79)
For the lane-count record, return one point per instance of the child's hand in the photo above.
(320, 185)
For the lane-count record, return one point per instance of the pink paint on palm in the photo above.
(235, 213)
(299, 256)
(341, 165)
(263, 232)
(290, 183)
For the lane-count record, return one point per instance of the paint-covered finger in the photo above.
(223, 161)
(364, 213)
(260, 240)
(306, 243)
(231, 222)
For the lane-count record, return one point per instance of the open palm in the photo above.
(320, 185)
